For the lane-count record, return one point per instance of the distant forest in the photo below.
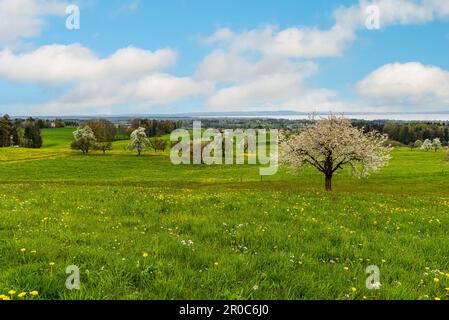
(408, 133)
(26, 132)
(404, 132)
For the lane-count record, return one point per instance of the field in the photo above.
(142, 228)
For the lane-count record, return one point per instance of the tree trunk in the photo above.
(328, 182)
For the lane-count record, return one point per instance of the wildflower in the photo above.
(437, 298)
(12, 292)
(436, 280)
(145, 254)
(51, 264)
(256, 287)
(6, 298)
(354, 290)
(22, 294)
(23, 250)
(34, 293)
(447, 289)
(33, 251)
(346, 268)
(216, 264)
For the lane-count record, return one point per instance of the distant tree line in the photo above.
(409, 133)
(94, 135)
(17, 132)
(140, 142)
(154, 128)
(99, 135)
(47, 124)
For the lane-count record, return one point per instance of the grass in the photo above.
(142, 228)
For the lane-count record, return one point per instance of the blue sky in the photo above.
(223, 55)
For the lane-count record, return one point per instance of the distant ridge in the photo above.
(234, 114)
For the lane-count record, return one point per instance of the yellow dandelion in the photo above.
(2, 296)
(33, 251)
(436, 280)
(354, 290)
(6, 298)
(346, 268)
(12, 292)
(447, 289)
(51, 264)
(216, 264)
(22, 294)
(23, 250)
(34, 293)
(437, 298)
(145, 254)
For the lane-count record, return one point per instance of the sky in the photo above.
(181, 56)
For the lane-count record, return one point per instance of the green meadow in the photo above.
(142, 228)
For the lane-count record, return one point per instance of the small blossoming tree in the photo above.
(418, 144)
(331, 144)
(139, 141)
(436, 144)
(84, 139)
(427, 145)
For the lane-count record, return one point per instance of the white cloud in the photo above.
(22, 19)
(410, 84)
(291, 42)
(129, 76)
(279, 92)
(391, 12)
(313, 42)
(227, 67)
(267, 82)
(60, 64)
(148, 91)
(441, 7)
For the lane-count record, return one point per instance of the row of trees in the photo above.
(409, 133)
(427, 145)
(140, 142)
(94, 135)
(154, 128)
(99, 135)
(46, 124)
(24, 133)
